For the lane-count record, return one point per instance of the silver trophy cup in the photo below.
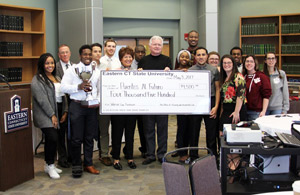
(86, 76)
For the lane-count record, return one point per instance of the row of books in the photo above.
(259, 29)
(258, 48)
(12, 74)
(261, 67)
(294, 87)
(11, 22)
(291, 48)
(293, 79)
(11, 48)
(291, 68)
(290, 28)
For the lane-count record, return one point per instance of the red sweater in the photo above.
(258, 88)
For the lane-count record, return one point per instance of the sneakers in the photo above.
(57, 170)
(51, 170)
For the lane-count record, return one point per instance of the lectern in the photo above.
(16, 156)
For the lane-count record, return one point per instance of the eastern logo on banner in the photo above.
(17, 117)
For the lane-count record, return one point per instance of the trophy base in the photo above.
(90, 104)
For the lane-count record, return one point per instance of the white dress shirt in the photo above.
(58, 93)
(112, 63)
(240, 68)
(134, 65)
(64, 65)
(71, 80)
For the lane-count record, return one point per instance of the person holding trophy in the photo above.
(81, 81)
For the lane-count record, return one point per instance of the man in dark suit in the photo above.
(155, 61)
(62, 65)
(64, 55)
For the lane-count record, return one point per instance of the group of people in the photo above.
(239, 91)
(58, 91)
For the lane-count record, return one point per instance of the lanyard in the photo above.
(251, 82)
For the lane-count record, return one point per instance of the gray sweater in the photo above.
(214, 76)
(280, 92)
(44, 104)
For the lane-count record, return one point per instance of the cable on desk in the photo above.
(275, 142)
(239, 174)
(262, 163)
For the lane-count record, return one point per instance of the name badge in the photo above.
(257, 80)
(276, 80)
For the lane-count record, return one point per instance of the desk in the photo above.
(254, 149)
(272, 124)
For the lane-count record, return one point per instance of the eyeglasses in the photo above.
(249, 61)
(215, 59)
(271, 58)
(227, 63)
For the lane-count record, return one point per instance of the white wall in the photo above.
(132, 18)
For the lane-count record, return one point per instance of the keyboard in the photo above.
(288, 139)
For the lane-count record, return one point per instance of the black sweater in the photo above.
(151, 62)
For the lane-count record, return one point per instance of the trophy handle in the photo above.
(77, 72)
(94, 65)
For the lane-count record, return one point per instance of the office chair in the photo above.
(179, 178)
(204, 176)
(176, 179)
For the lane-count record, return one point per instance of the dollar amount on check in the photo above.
(154, 92)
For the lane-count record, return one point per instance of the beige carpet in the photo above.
(146, 179)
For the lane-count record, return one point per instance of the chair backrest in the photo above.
(204, 176)
(176, 179)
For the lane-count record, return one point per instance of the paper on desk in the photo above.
(272, 124)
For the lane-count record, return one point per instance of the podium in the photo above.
(16, 156)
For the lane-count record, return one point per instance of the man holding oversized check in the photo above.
(155, 61)
(210, 119)
(155, 93)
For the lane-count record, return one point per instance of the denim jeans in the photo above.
(252, 115)
(273, 112)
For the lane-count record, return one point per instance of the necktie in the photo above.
(109, 64)
(67, 66)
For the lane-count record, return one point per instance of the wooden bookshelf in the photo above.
(33, 37)
(255, 32)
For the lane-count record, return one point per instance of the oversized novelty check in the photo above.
(154, 92)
